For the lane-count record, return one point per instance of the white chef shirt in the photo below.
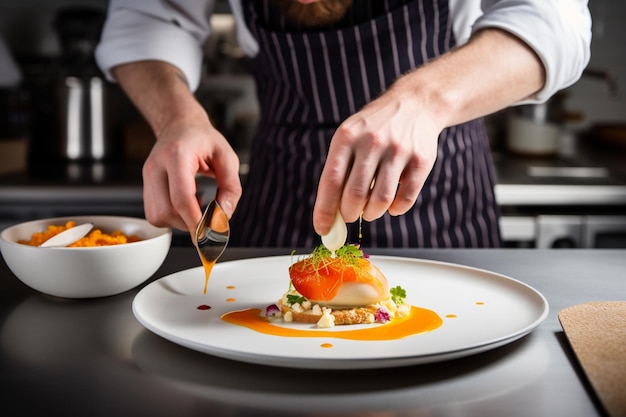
(174, 31)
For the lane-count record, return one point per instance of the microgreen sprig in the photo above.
(398, 294)
(295, 299)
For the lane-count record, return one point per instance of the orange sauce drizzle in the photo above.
(208, 267)
(326, 345)
(420, 320)
(230, 300)
(451, 316)
(219, 223)
(230, 287)
(480, 303)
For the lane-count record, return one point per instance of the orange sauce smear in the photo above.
(419, 321)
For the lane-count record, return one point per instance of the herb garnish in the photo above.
(295, 299)
(350, 254)
(398, 294)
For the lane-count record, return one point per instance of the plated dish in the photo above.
(481, 310)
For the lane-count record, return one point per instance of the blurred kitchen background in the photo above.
(71, 143)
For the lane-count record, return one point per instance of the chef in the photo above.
(371, 108)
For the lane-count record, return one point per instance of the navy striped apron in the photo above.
(309, 81)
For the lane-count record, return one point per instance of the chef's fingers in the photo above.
(411, 182)
(225, 167)
(383, 191)
(183, 199)
(358, 187)
(156, 196)
(330, 187)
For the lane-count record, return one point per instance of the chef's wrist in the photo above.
(183, 115)
(427, 95)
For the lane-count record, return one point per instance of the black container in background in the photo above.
(69, 97)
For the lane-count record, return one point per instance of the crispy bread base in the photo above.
(358, 315)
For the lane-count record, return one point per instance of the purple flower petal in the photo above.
(272, 311)
(382, 315)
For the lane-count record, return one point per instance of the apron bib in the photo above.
(308, 82)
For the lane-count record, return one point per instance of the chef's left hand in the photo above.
(392, 142)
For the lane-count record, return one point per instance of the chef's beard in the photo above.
(317, 14)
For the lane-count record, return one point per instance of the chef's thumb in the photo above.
(228, 197)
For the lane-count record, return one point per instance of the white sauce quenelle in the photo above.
(337, 236)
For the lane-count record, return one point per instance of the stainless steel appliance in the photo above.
(83, 130)
(553, 204)
(70, 97)
(565, 231)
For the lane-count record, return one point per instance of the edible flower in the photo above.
(272, 311)
(382, 315)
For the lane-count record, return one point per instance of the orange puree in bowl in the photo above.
(95, 238)
(419, 321)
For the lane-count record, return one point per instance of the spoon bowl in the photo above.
(212, 236)
(213, 232)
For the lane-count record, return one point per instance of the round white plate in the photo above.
(489, 310)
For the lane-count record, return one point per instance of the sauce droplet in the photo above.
(480, 303)
(230, 287)
(230, 300)
(360, 227)
(326, 345)
(204, 307)
(451, 316)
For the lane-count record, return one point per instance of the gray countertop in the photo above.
(92, 357)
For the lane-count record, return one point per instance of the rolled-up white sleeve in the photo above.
(170, 31)
(559, 31)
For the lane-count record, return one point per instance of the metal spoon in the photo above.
(68, 236)
(212, 236)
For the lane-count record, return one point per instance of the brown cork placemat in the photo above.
(597, 333)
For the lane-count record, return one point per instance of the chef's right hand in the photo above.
(183, 149)
(187, 144)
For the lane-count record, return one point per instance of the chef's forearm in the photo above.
(159, 91)
(492, 71)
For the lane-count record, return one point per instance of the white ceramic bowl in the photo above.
(91, 271)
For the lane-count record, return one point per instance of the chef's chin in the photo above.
(315, 14)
